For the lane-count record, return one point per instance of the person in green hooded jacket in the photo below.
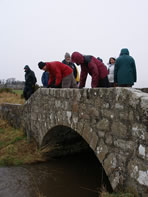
(125, 70)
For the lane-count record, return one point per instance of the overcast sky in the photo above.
(35, 30)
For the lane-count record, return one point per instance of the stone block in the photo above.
(103, 125)
(119, 129)
(123, 116)
(34, 116)
(143, 152)
(87, 133)
(108, 139)
(101, 134)
(124, 145)
(105, 105)
(110, 163)
(119, 106)
(45, 91)
(84, 116)
(94, 113)
(102, 150)
(77, 94)
(109, 114)
(80, 127)
(131, 116)
(139, 131)
(144, 103)
(75, 107)
(57, 103)
(94, 141)
(115, 179)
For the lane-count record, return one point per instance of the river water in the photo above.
(73, 176)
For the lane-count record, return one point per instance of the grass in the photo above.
(8, 95)
(19, 92)
(126, 192)
(14, 147)
(5, 90)
(106, 194)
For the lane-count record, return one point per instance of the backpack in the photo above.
(87, 59)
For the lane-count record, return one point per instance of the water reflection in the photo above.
(15, 182)
(73, 176)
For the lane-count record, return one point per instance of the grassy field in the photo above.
(19, 92)
(14, 147)
(11, 96)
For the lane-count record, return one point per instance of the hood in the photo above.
(26, 68)
(124, 52)
(77, 58)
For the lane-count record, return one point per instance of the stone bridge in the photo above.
(113, 122)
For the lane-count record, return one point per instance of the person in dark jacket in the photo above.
(60, 74)
(125, 70)
(94, 67)
(68, 62)
(45, 79)
(30, 81)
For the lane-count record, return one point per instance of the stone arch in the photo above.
(62, 141)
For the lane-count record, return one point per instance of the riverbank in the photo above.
(14, 147)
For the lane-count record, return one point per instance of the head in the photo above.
(42, 65)
(77, 58)
(67, 57)
(98, 58)
(26, 68)
(112, 60)
(124, 51)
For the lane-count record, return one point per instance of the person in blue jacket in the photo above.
(45, 78)
(125, 70)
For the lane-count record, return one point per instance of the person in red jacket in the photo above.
(61, 75)
(94, 67)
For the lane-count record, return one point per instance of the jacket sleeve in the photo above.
(33, 78)
(83, 76)
(115, 72)
(95, 74)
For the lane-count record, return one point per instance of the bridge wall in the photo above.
(113, 122)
